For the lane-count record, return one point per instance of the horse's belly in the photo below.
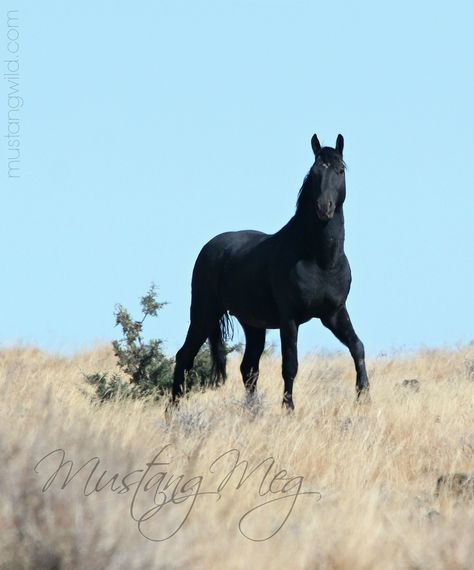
(261, 313)
(255, 321)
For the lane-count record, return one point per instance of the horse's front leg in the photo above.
(289, 355)
(340, 325)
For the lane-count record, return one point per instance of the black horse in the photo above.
(277, 281)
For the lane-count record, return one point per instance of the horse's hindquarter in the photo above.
(244, 285)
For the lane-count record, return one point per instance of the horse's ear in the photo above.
(340, 144)
(315, 144)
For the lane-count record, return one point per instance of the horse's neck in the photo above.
(321, 242)
(329, 240)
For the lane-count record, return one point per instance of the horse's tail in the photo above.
(223, 332)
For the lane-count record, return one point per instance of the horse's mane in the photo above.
(305, 189)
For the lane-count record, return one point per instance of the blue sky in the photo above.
(149, 128)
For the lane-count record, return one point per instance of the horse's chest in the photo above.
(316, 291)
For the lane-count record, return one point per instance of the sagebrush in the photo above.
(146, 371)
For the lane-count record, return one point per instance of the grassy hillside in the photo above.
(374, 466)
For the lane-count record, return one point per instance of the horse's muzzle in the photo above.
(325, 213)
(325, 207)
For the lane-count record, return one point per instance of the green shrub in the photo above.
(147, 371)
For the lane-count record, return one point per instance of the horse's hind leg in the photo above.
(254, 345)
(185, 357)
(340, 324)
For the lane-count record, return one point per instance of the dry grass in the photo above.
(376, 467)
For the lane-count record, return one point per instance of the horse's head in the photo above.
(328, 168)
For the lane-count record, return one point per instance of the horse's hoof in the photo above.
(288, 405)
(250, 398)
(363, 397)
(170, 408)
(168, 414)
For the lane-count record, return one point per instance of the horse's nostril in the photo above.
(329, 204)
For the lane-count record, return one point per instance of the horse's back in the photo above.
(221, 248)
(234, 241)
